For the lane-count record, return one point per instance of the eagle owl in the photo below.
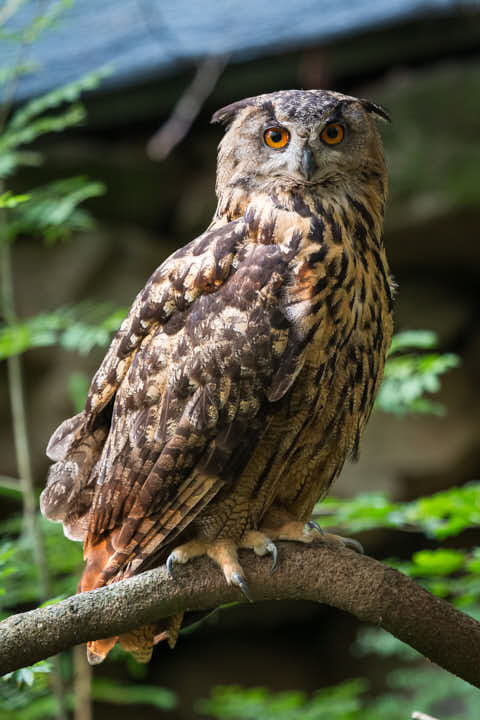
(247, 367)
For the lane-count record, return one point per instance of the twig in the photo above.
(187, 108)
(17, 403)
(325, 573)
(14, 369)
(20, 435)
(82, 680)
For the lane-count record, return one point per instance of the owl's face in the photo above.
(298, 138)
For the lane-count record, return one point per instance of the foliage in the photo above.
(447, 573)
(8, 200)
(410, 375)
(29, 122)
(17, 572)
(34, 24)
(80, 328)
(414, 684)
(25, 694)
(341, 702)
(439, 516)
(53, 211)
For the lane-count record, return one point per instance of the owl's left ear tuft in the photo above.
(226, 115)
(380, 112)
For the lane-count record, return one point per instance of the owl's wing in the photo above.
(198, 268)
(192, 400)
(76, 445)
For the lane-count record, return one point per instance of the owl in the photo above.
(246, 370)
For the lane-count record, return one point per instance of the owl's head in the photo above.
(298, 138)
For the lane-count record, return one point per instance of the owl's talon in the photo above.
(315, 526)
(240, 582)
(272, 549)
(352, 544)
(169, 563)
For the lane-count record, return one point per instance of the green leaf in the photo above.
(440, 515)
(45, 20)
(408, 376)
(64, 560)
(406, 380)
(364, 512)
(341, 702)
(53, 210)
(437, 562)
(69, 93)
(417, 339)
(446, 513)
(78, 328)
(26, 675)
(7, 200)
(9, 74)
(14, 137)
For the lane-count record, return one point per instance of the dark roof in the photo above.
(144, 38)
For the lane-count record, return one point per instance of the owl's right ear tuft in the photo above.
(377, 110)
(226, 115)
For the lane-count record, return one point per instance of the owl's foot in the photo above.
(224, 554)
(261, 544)
(350, 543)
(170, 631)
(310, 532)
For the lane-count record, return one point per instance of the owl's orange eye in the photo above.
(332, 134)
(276, 137)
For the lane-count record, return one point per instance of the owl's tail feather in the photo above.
(140, 641)
(97, 650)
(68, 496)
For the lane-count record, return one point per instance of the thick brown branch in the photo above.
(327, 574)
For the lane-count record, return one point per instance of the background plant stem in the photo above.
(20, 435)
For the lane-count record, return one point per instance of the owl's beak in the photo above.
(307, 163)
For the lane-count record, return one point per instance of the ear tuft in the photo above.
(377, 110)
(226, 115)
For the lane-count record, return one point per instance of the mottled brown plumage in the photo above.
(247, 368)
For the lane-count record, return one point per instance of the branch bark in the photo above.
(324, 573)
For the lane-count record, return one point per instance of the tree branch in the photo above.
(324, 573)
(187, 108)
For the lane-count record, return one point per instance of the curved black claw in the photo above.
(353, 544)
(169, 563)
(315, 526)
(272, 549)
(240, 582)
